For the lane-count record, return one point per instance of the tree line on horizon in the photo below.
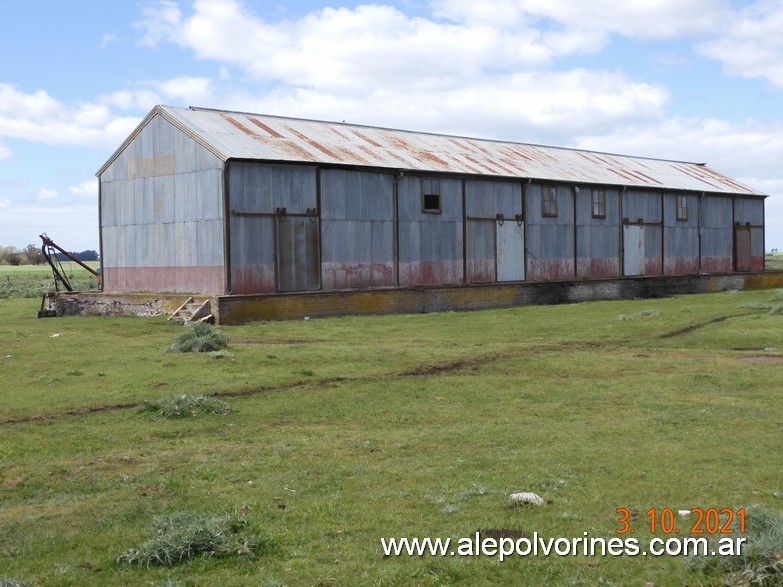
(32, 255)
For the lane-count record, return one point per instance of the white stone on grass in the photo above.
(527, 497)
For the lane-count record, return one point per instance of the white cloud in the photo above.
(142, 99)
(369, 47)
(192, 90)
(40, 118)
(108, 39)
(659, 19)
(87, 189)
(5, 152)
(46, 194)
(524, 107)
(160, 20)
(376, 65)
(752, 45)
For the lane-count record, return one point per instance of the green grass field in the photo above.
(32, 281)
(346, 430)
(774, 262)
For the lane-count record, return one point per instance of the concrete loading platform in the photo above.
(239, 309)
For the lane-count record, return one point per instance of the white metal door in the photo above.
(633, 244)
(510, 247)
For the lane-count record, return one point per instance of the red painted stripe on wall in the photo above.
(203, 280)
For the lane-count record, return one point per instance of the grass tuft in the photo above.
(9, 582)
(184, 406)
(181, 536)
(640, 314)
(755, 306)
(761, 559)
(199, 337)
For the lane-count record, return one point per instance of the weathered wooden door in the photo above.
(633, 249)
(510, 250)
(481, 250)
(298, 258)
(742, 248)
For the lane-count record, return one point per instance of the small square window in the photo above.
(682, 208)
(549, 202)
(599, 204)
(430, 196)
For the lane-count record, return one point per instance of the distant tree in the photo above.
(32, 255)
(88, 255)
(13, 258)
(4, 252)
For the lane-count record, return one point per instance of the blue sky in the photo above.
(699, 81)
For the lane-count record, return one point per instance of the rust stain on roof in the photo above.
(688, 171)
(312, 143)
(365, 138)
(430, 156)
(268, 129)
(235, 123)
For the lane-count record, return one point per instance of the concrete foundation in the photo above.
(240, 309)
(111, 304)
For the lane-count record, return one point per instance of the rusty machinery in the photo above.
(49, 251)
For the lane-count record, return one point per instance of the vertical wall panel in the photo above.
(357, 228)
(298, 264)
(597, 239)
(681, 246)
(484, 201)
(717, 234)
(550, 240)
(481, 242)
(646, 208)
(257, 191)
(430, 244)
(750, 212)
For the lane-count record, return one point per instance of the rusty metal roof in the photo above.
(237, 135)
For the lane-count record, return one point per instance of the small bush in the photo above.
(184, 406)
(181, 536)
(199, 337)
(761, 558)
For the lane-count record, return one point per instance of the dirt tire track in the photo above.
(692, 327)
(428, 371)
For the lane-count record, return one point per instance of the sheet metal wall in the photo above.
(597, 239)
(646, 209)
(430, 244)
(162, 215)
(550, 240)
(256, 192)
(484, 200)
(716, 234)
(750, 212)
(681, 237)
(357, 229)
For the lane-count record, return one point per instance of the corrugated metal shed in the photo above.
(235, 135)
